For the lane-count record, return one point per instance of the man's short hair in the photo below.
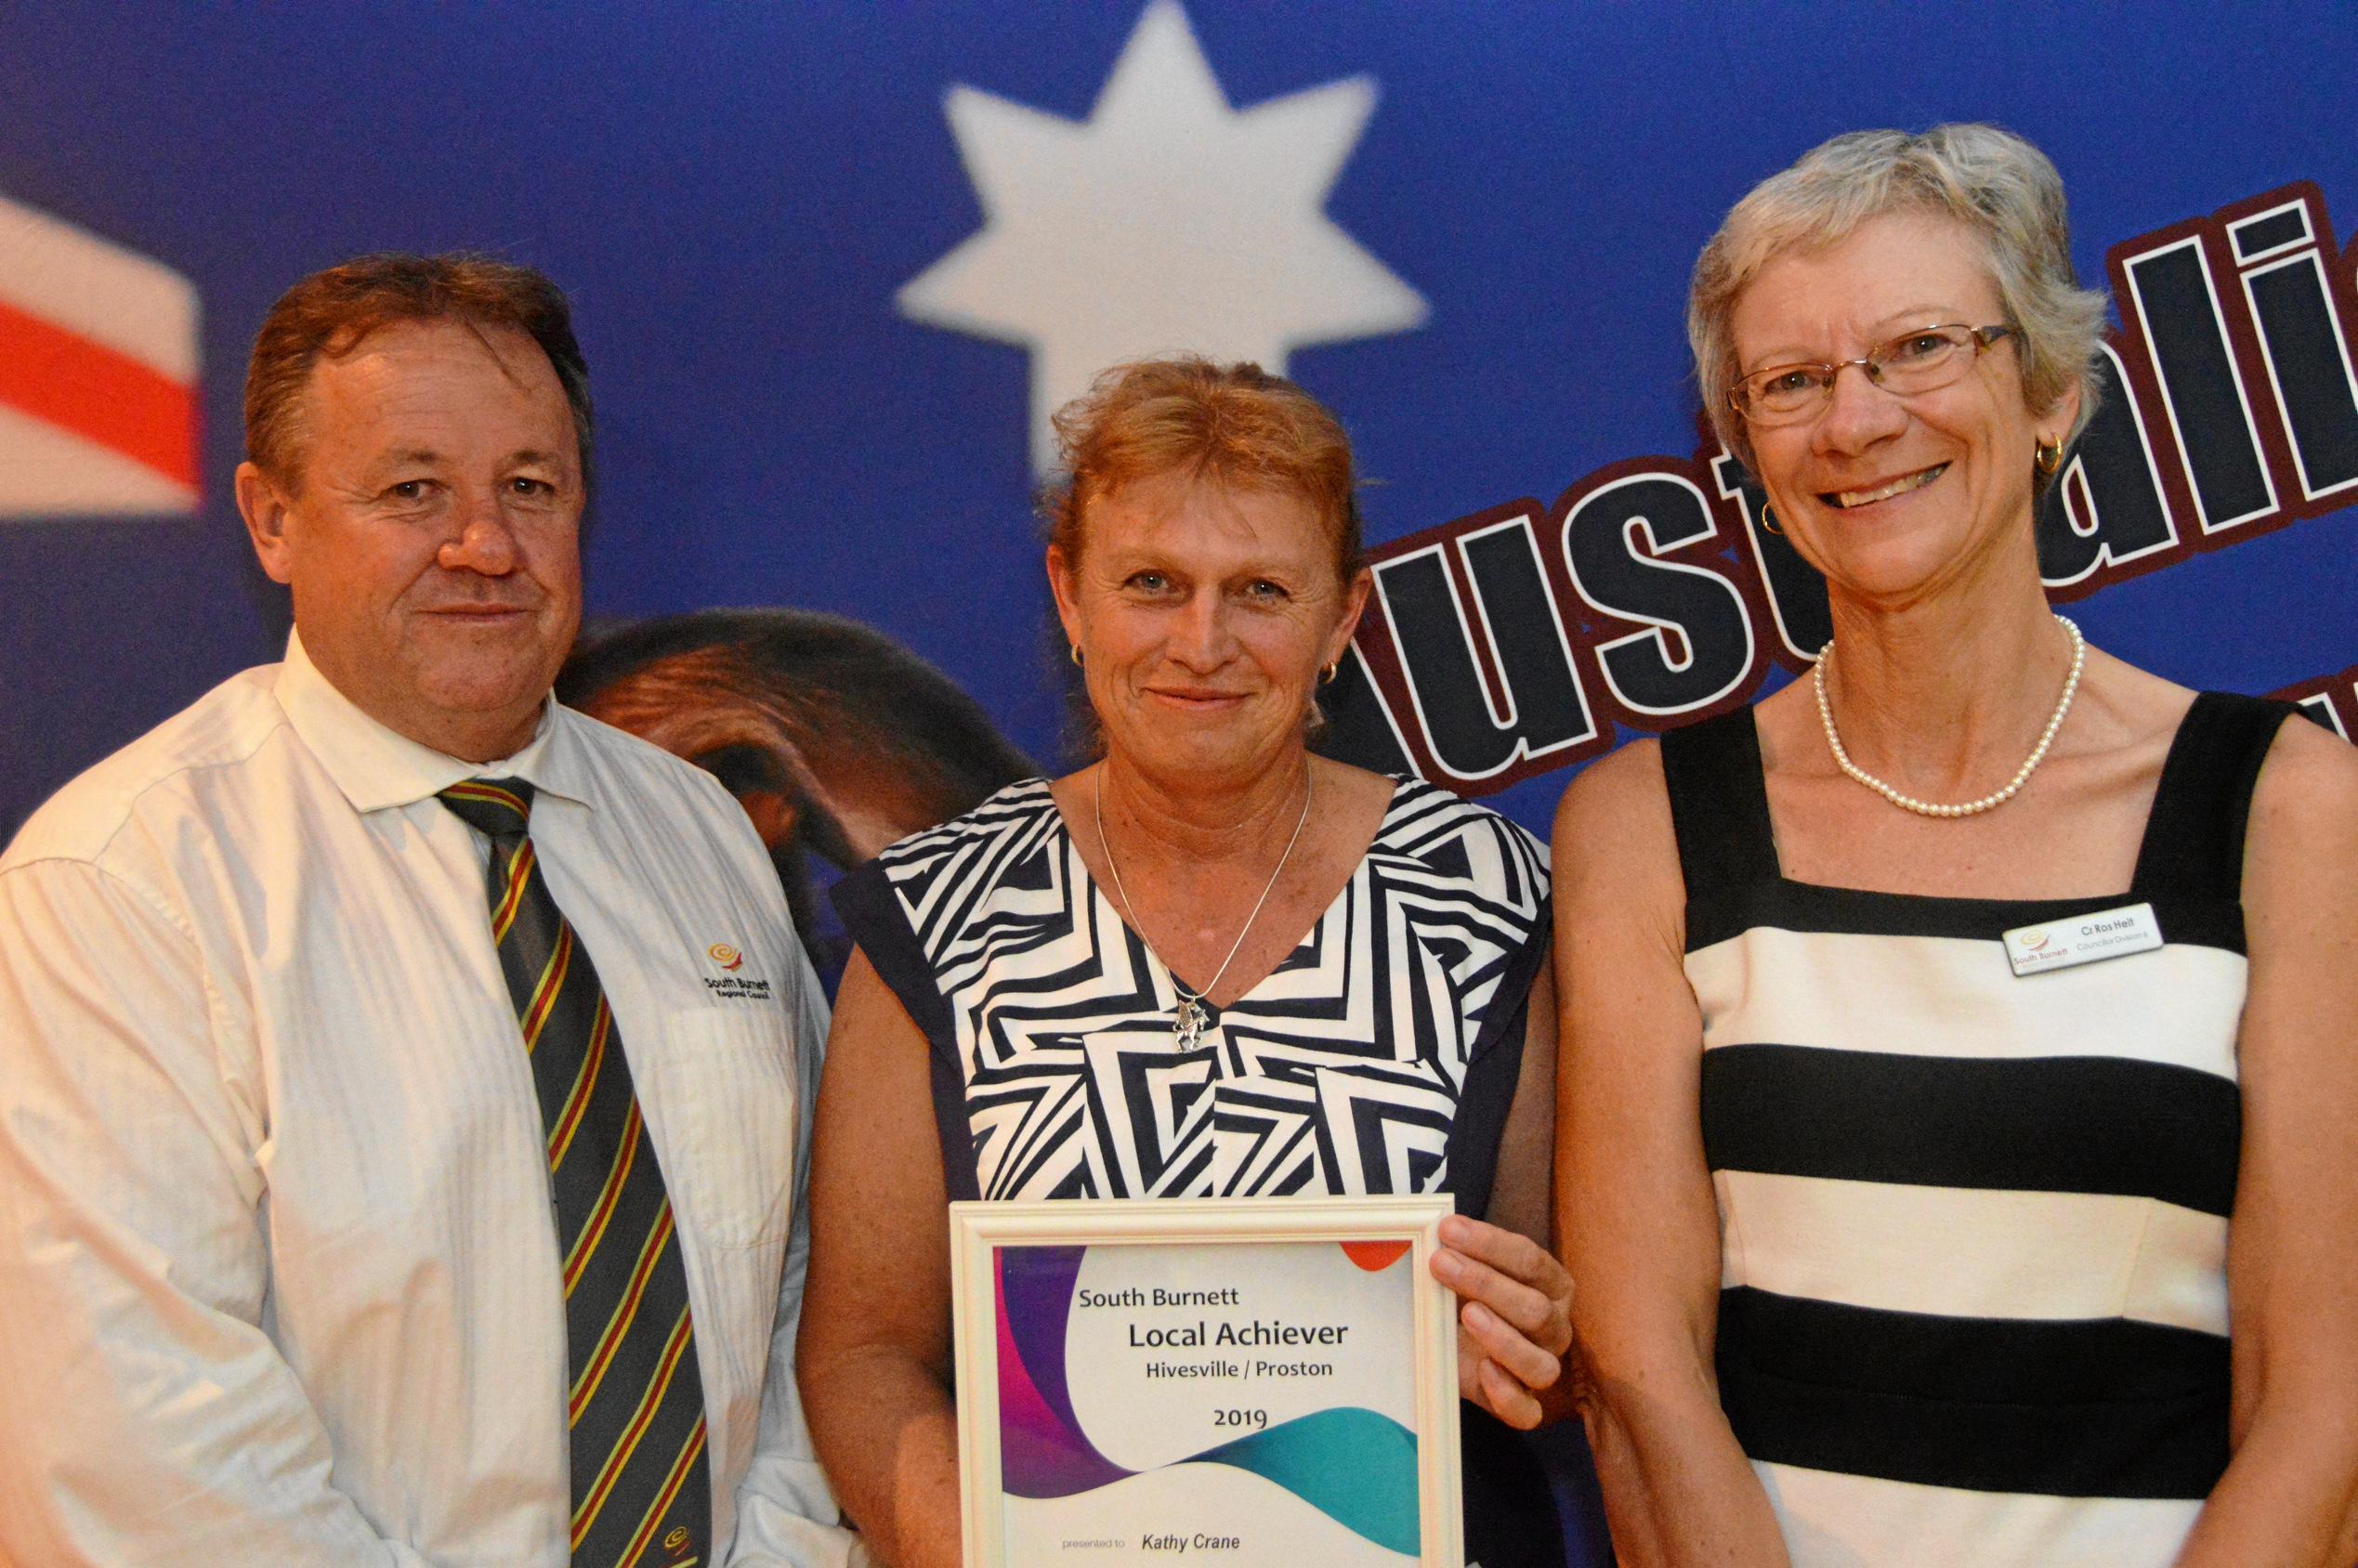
(330, 313)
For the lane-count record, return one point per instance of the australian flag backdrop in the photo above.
(834, 261)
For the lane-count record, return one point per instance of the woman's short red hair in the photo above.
(1235, 424)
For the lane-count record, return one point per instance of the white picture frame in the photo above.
(977, 1229)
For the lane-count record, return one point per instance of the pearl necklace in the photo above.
(1968, 808)
(1188, 1026)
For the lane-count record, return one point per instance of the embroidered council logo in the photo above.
(744, 988)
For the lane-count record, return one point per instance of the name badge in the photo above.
(2108, 934)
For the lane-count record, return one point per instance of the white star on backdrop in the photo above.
(1168, 221)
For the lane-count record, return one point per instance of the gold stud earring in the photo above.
(1076, 656)
(1331, 671)
(2050, 454)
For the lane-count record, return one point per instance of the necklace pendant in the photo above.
(1188, 1027)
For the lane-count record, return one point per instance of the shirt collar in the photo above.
(377, 769)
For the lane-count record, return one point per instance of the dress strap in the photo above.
(1718, 805)
(2193, 844)
(874, 918)
(1493, 1071)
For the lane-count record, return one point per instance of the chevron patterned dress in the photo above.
(1380, 1057)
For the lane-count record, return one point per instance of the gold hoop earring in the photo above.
(1768, 523)
(2050, 455)
(1076, 656)
(1332, 671)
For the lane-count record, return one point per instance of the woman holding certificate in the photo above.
(1210, 964)
(1958, 1044)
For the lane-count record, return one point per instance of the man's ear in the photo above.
(264, 507)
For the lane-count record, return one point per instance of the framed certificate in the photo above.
(1231, 1380)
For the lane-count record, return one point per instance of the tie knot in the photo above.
(499, 808)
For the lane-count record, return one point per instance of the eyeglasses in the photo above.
(1922, 360)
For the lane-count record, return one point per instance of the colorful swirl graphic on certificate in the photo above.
(1162, 1402)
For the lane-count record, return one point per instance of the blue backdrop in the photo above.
(818, 388)
(737, 196)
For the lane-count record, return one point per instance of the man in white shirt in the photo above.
(339, 1222)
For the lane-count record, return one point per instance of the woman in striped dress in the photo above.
(1960, 1057)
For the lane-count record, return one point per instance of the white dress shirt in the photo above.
(279, 1281)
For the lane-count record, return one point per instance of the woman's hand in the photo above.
(1514, 1317)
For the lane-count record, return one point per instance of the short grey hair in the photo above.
(1999, 186)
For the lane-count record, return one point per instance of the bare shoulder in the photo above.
(1614, 838)
(1074, 792)
(1620, 778)
(2300, 923)
(2300, 896)
(2126, 708)
(2305, 806)
(1618, 792)
(1351, 789)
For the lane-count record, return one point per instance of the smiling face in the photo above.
(431, 536)
(1203, 615)
(1894, 497)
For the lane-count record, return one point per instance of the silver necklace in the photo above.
(1967, 809)
(1188, 1027)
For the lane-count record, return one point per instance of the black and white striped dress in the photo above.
(1380, 1057)
(1973, 1305)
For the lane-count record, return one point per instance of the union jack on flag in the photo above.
(99, 360)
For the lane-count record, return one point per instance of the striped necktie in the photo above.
(641, 1495)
